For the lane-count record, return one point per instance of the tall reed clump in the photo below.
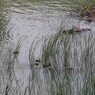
(71, 54)
(57, 52)
(8, 57)
(88, 65)
(51, 76)
(34, 86)
(67, 65)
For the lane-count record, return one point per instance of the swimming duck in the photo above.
(46, 65)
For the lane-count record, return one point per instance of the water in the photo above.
(24, 21)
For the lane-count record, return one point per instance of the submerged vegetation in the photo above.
(65, 66)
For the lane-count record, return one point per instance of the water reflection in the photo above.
(22, 22)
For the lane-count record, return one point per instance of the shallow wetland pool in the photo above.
(47, 47)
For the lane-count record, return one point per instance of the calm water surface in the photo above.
(26, 20)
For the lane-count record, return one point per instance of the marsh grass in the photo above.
(71, 70)
(9, 84)
(71, 58)
(52, 53)
(89, 66)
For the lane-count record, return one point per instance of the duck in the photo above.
(70, 31)
(46, 65)
(15, 52)
(37, 60)
(36, 63)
